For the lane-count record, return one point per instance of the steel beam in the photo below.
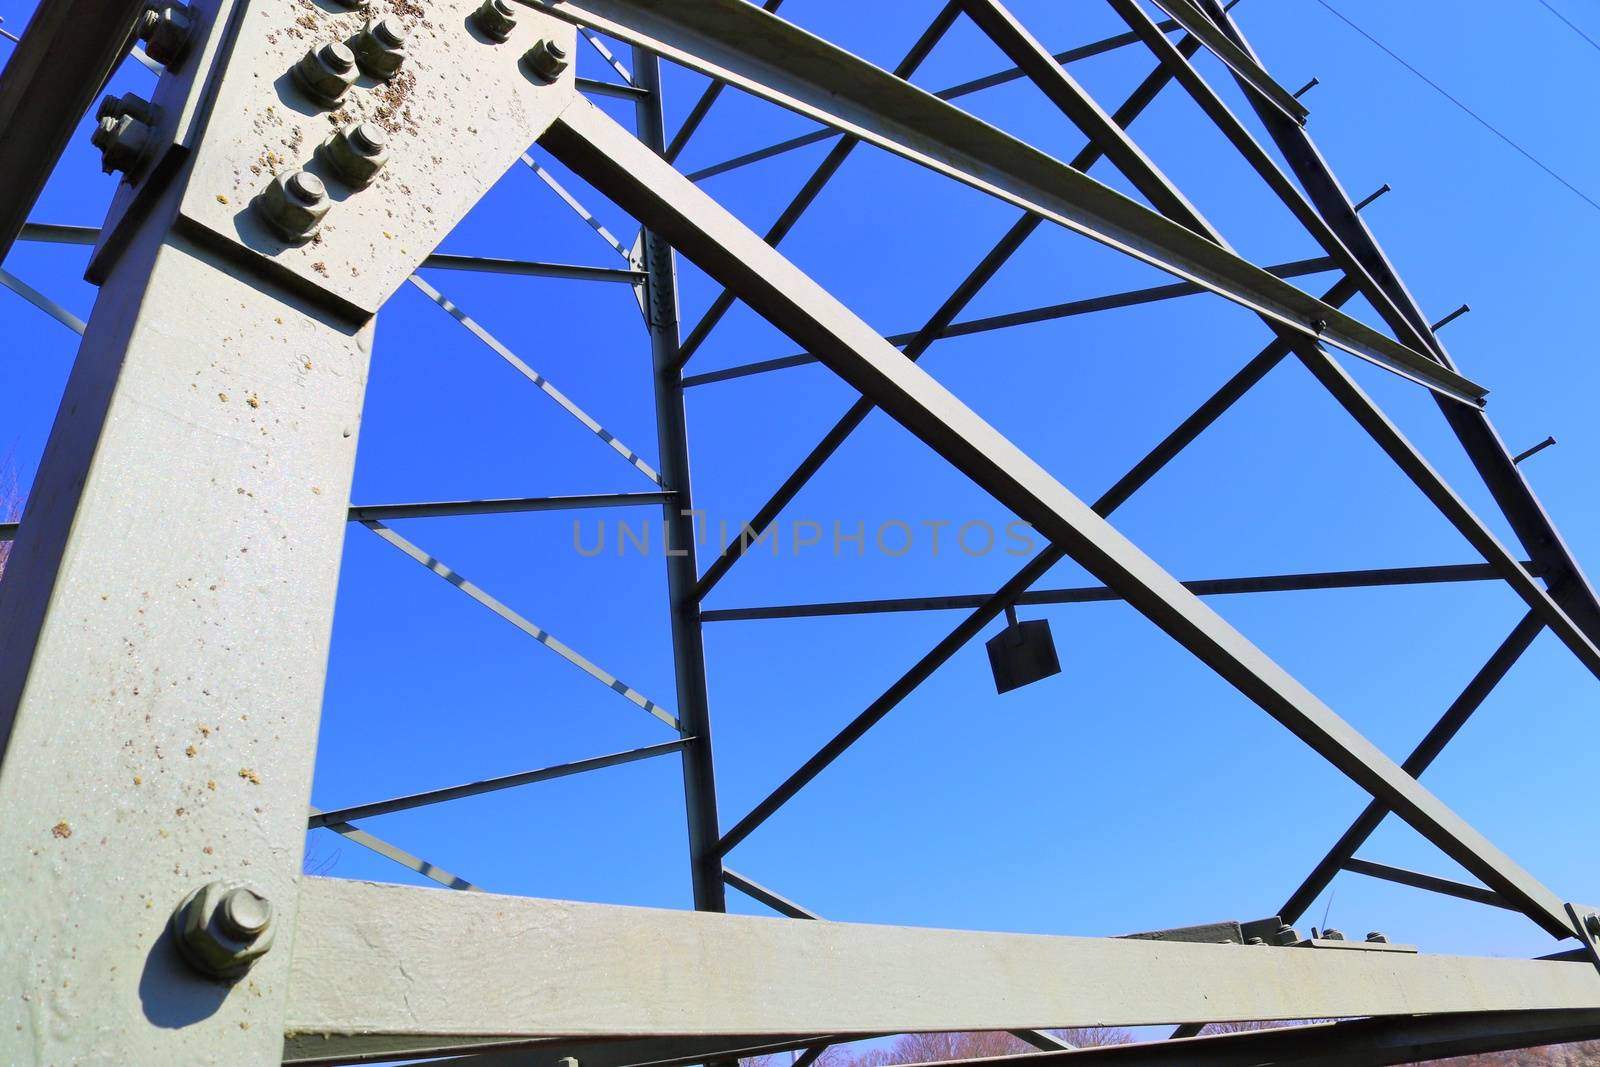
(619, 166)
(1432, 883)
(737, 42)
(1243, 64)
(660, 299)
(504, 506)
(379, 959)
(491, 785)
(52, 77)
(954, 92)
(1095, 594)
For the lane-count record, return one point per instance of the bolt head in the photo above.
(167, 32)
(1591, 922)
(546, 59)
(357, 153)
(496, 19)
(1332, 935)
(1376, 938)
(293, 204)
(325, 73)
(380, 48)
(222, 928)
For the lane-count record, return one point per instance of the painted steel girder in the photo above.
(749, 48)
(618, 165)
(378, 959)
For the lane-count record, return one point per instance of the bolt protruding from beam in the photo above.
(1333, 935)
(1285, 935)
(1448, 319)
(293, 205)
(546, 59)
(380, 48)
(1534, 451)
(325, 73)
(357, 153)
(1379, 191)
(1376, 938)
(167, 30)
(1306, 88)
(496, 18)
(222, 928)
(125, 144)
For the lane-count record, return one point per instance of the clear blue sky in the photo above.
(1132, 791)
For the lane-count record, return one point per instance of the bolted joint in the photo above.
(1285, 935)
(357, 153)
(496, 18)
(325, 73)
(1591, 923)
(293, 205)
(167, 30)
(1376, 938)
(222, 928)
(125, 144)
(136, 108)
(546, 59)
(380, 48)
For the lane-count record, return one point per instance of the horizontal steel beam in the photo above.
(1094, 594)
(764, 55)
(968, 327)
(385, 959)
(618, 165)
(492, 785)
(505, 506)
(53, 233)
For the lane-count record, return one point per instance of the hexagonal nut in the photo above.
(325, 73)
(357, 153)
(380, 48)
(167, 31)
(546, 59)
(293, 205)
(222, 928)
(135, 107)
(125, 144)
(496, 18)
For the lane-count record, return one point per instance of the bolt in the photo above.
(1591, 923)
(1377, 938)
(325, 73)
(167, 32)
(496, 18)
(125, 144)
(1254, 941)
(357, 153)
(547, 59)
(136, 108)
(380, 48)
(222, 928)
(293, 205)
(1285, 935)
(1318, 325)
(1332, 935)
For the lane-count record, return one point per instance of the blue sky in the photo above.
(1132, 791)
